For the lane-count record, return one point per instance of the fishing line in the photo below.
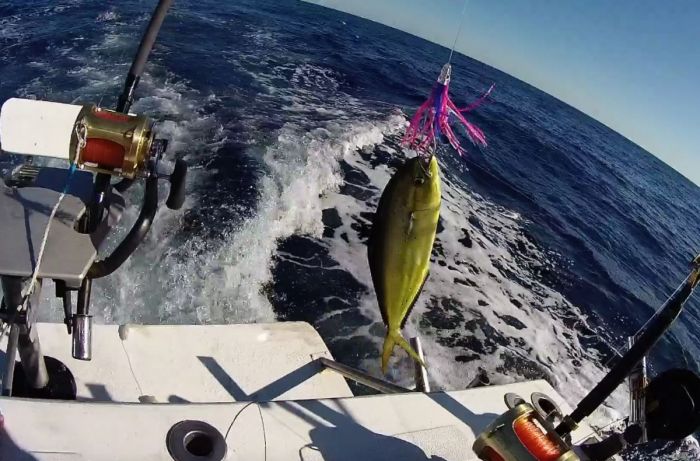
(236, 417)
(262, 423)
(459, 31)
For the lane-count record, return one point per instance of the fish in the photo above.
(400, 245)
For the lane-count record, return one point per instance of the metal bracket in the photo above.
(385, 387)
(24, 338)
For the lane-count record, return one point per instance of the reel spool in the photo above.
(522, 434)
(90, 137)
(114, 143)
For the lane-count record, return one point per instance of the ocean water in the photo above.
(555, 242)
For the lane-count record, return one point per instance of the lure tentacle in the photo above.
(479, 101)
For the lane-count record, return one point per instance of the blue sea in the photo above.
(555, 243)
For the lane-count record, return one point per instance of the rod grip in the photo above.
(178, 180)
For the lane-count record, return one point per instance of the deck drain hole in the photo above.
(199, 444)
(195, 441)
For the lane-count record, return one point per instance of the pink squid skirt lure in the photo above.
(431, 120)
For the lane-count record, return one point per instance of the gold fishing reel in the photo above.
(110, 142)
(87, 136)
(522, 434)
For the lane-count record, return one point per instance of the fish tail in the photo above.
(393, 337)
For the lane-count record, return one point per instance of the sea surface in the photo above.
(555, 242)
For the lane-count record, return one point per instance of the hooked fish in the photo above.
(400, 245)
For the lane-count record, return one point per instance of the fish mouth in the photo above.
(423, 171)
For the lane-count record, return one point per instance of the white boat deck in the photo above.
(314, 418)
(208, 363)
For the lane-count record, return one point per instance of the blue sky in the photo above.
(632, 64)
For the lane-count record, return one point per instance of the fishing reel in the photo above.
(88, 137)
(527, 432)
(55, 220)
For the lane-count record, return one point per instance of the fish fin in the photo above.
(392, 339)
(388, 348)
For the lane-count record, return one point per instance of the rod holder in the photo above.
(10, 361)
(33, 363)
(638, 382)
(82, 337)
(23, 327)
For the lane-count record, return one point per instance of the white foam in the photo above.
(107, 16)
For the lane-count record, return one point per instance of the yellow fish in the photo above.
(400, 245)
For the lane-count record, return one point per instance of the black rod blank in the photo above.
(144, 50)
(645, 340)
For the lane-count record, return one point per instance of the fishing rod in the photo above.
(650, 333)
(142, 54)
